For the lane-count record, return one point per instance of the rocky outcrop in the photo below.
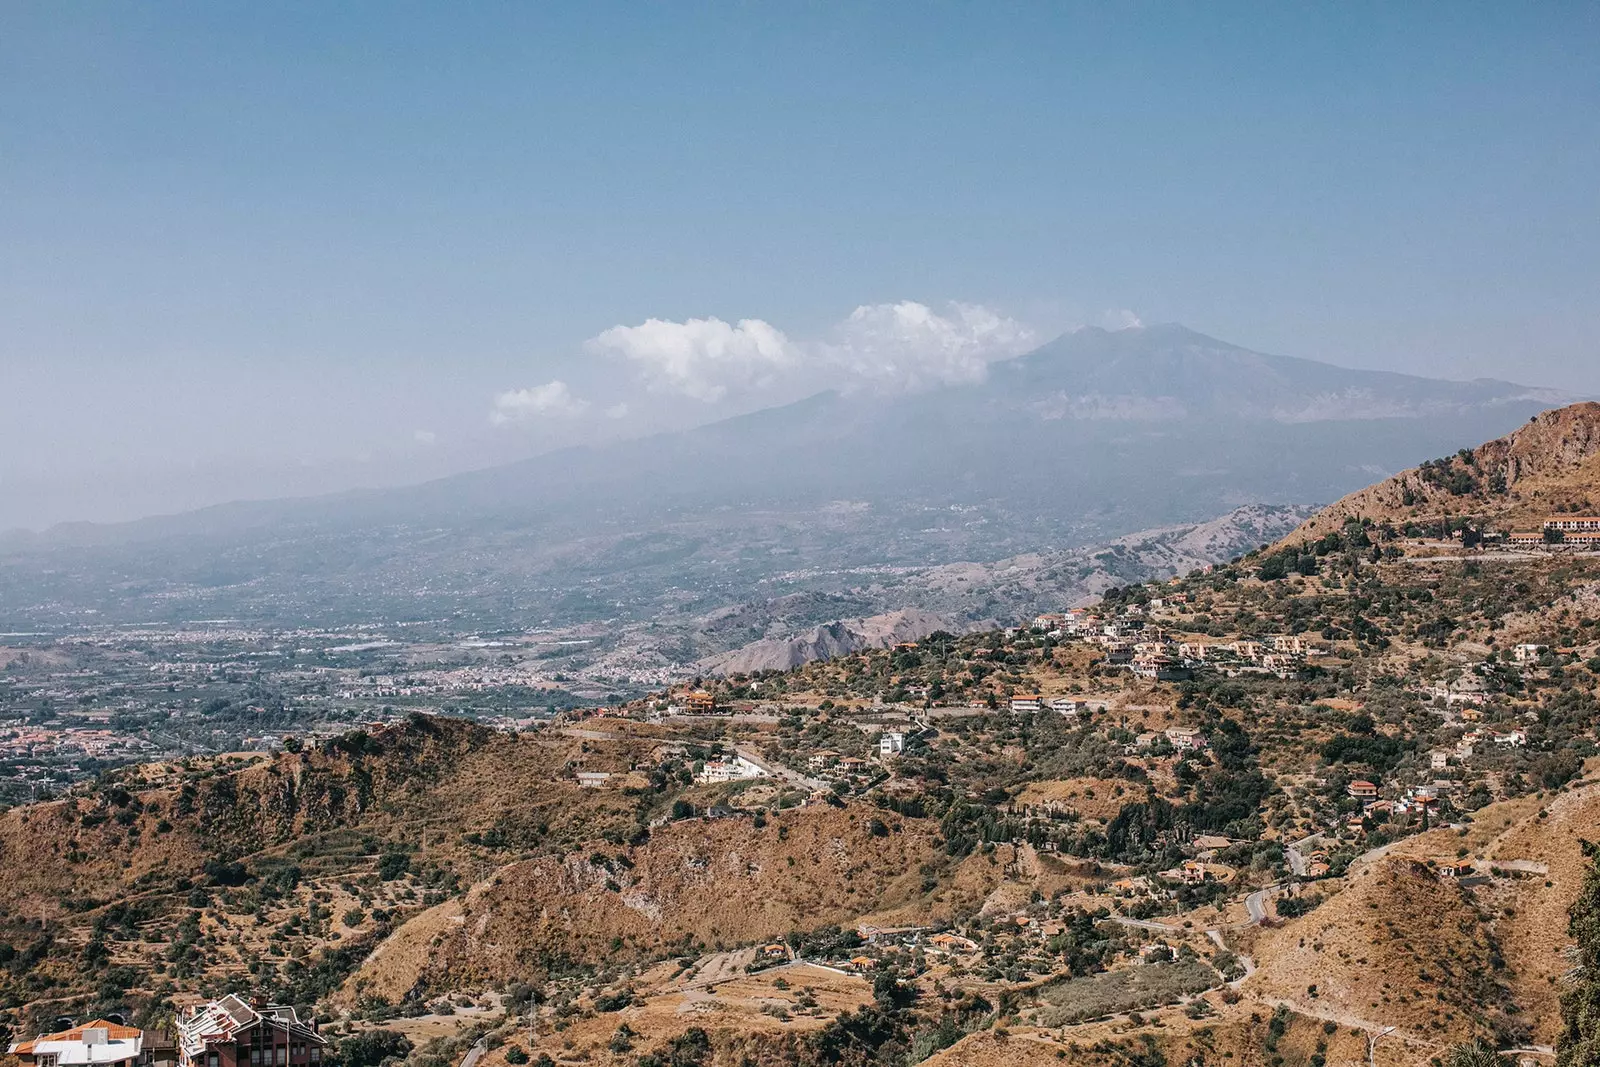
(837, 638)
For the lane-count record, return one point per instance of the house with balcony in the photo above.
(233, 1032)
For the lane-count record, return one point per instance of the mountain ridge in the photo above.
(1549, 465)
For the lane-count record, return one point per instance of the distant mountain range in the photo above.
(1094, 435)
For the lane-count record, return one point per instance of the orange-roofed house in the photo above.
(700, 702)
(96, 1044)
(1362, 789)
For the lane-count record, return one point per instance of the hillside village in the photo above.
(1326, 803)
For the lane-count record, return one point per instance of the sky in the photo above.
(251, 250)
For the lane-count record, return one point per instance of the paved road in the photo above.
(1255, 905)
(1295, 851)
(475, 1053)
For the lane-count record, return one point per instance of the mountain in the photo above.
(1091, 437)
(1549, 465)
(1170, 371)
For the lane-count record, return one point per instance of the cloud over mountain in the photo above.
(888, 347)
(700, 358)
(908, 345)
(551, 398)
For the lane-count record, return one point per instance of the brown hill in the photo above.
(699, 884)
(1398, 946)
(165, 825)
(1549, 465)
(1535, 843)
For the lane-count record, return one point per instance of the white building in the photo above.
(730, 770)
(99, 1044)
(891, 744)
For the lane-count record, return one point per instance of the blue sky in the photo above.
(248, 249)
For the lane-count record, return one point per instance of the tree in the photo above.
(1473, 1054)
(1579, 1043)
(373, 1047)
(392, 865)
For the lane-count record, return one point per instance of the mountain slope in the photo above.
(960, 597)
(1549, 465)
(1171, 371)
(1091, 437)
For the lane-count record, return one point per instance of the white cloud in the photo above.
(909, 345)
(424, 437)
(618, 411)
(550, 399)
(1121, 319)
(701, 358)
(886, 346)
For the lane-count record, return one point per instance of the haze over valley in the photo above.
(593, 535)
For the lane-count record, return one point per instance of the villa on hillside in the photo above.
(231, 1032)
(1185, 737)
(730, 770)
(1362, 789)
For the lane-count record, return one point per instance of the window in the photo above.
(283, 1055)
(212, 1059)
(255, 1057)
(316, 1054)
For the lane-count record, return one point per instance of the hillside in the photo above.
(694, 887)
(1400, 944)
(1549, 466)
(1247, 808)
(960, 597)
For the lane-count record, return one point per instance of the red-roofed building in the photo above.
(231, 1032)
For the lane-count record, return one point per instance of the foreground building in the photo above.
(231, 1032)
(95, 1044)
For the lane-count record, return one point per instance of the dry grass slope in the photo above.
(1398, 946)
(1550, 464)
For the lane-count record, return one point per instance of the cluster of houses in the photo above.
(1416, 800)
(227, 1032)
(1474, 741)
(1149, 652)
(1581, 531)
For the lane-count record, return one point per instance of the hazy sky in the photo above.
(252, 249)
